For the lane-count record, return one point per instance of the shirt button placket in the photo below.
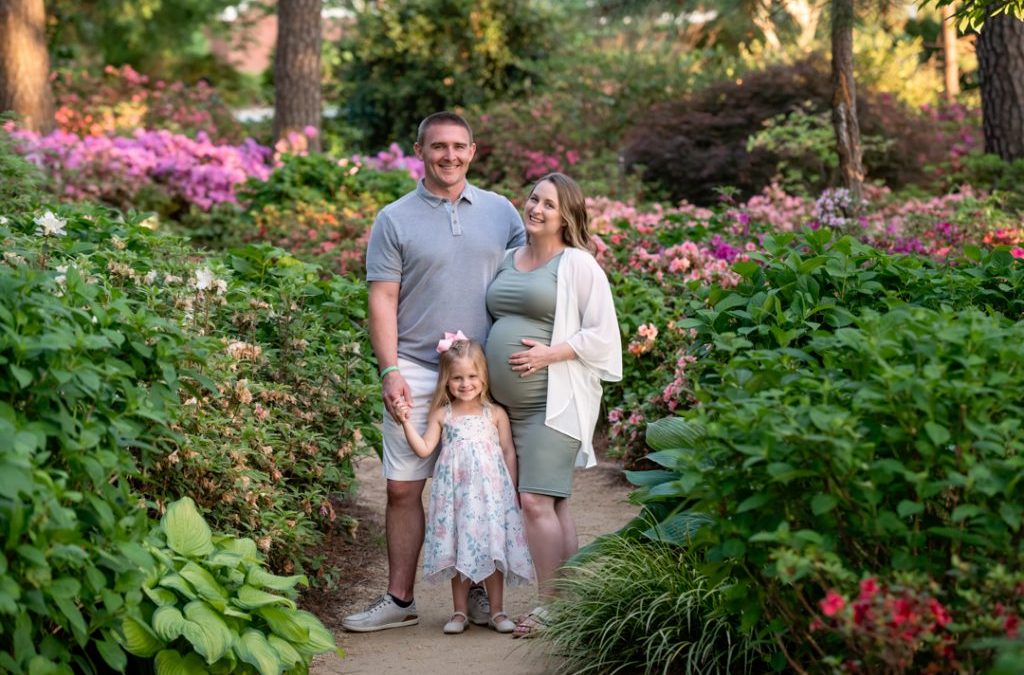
(453, 218)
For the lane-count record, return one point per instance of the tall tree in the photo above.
(297, 97)
(950, 56)
(844, 99)
(1000, 48)
(25, 64)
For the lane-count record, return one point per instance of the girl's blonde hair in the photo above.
(460, 349)
(572, 206)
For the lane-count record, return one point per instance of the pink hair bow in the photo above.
(446, 344)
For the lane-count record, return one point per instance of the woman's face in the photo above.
(541, 215)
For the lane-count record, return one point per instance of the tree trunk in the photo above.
(805, 13)
(844, 100)
(297, 104)
(762, 18)
(1000, 48)
(950, 57)
(25, 64)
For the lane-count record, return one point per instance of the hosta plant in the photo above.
(211, 606)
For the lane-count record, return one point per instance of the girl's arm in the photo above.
(423, 445)
(508, 448)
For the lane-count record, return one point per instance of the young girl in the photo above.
(474, 528)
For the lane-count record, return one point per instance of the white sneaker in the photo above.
(479, 606)
(384, 613)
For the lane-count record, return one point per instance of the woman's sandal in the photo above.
(454, 626)
(501, 623)
(531, 624)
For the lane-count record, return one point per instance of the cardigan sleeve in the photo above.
(597, 343)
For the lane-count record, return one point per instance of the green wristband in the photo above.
(388, 370)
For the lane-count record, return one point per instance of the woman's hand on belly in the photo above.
(539, 355)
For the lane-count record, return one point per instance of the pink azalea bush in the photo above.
(114, 169)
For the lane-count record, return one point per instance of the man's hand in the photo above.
(395, 390)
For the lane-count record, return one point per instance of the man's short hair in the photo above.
(443, 117)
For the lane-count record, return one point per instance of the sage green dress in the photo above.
(523, 306)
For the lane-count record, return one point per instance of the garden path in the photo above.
(599, 506)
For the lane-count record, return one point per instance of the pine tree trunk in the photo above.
(297, 98)
(950, 57)
(844, 100)
(25, 64)
(1000, 49)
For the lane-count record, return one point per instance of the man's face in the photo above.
(446, 152)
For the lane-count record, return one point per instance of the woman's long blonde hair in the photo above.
(460, 349)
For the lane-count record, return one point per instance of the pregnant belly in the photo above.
(505, 339)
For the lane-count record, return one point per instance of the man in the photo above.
(431, 256)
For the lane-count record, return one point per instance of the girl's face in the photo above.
(542, 216)
(465, 382)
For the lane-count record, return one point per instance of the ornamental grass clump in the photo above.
(643, 607)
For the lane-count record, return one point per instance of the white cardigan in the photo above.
(585, 319)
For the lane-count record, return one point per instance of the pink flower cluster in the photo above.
(392, 159)
(685, 262)
(115, 168)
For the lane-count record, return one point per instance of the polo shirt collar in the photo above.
(469, 193)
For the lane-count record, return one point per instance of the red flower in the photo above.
(942, 616)
(832, 604)
(868, 588)
(1011, 625)
(903, 613)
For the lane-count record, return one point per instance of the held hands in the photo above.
(528, 362)
(395, 389)
(402, 410)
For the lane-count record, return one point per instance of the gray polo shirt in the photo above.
(444, 255)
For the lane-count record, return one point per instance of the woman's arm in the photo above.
(423, 445)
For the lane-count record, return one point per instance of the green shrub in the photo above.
(208, 606)
(88, 383)
(857, 417)
(405, 60)
(643, 607)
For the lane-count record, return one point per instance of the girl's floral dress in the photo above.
(473, 525)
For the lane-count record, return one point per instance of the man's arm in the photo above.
(384, 339)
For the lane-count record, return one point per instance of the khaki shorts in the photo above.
(400, 462)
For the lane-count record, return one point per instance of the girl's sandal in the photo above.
(454, 625)
(501, 623)
(530, 625)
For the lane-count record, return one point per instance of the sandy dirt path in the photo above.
(599, 506)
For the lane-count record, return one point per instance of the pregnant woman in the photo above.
(555, 337)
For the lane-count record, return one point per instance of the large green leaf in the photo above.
(674, 432)
(320, 639)
(204, 583)
(679, 528)
(168, 623)
(287, 654)
(178, 583)
(283, 622)
(170, 662)
(253, 598)
(139, 639)
(252, 647)
(186, 530)
(207, 631)
(261, 578)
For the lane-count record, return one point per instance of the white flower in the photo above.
(203, 279)
(222, 286)
(61, 277)
(50, 225)
(3, 220)
(150, 278)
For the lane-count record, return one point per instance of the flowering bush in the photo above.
(124, 171)
(122, 100)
